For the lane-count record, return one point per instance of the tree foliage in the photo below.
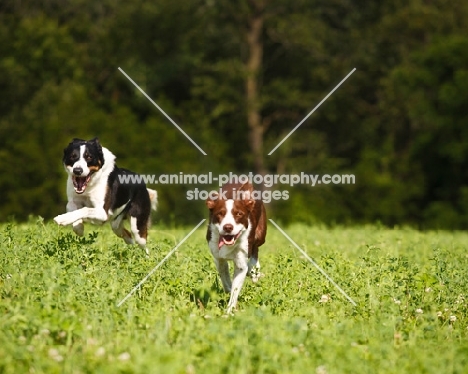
(398, 123)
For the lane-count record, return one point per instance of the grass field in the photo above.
(58, 310)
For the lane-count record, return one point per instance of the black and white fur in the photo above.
(96, 195)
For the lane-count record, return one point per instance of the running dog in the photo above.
(98, 191)
(237, 227)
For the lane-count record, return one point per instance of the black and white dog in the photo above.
(98, 192)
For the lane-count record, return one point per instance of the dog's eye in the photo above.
(88, 158)
(238, 214)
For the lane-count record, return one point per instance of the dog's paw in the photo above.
(78, 228)
(255, 274)
(64, 219)
(228, 313)
(254, 270)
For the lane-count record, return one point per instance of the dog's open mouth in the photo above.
(228, 239)
(80, 183)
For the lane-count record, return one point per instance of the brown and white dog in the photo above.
(237, 227)
(98, 191)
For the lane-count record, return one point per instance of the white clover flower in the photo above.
(428, 289)
(100, 352)
(396, 301)
(439, 314)
(321, 370)
(125, 356)
(54, 354)
(325, 299)
(419, 311)
(453, 318)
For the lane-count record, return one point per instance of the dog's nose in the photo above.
(228, 227)
(78, 171)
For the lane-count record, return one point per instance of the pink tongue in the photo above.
(223, 240)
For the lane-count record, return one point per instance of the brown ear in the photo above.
(249, 204)
(247, 187)
(245, 195)
(210, 203)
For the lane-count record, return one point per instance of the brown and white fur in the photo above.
(237, 227)
(97, 194)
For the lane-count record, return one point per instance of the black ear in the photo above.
(69, 146)
(96, 143)
(74, 142)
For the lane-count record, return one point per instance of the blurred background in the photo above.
(237, 76)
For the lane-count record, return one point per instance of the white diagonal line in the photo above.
(313, 262)
(163, 112)
(159, 265)
(313, 110)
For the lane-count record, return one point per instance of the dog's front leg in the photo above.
(94, 214)
(240, 272)
(223, 270)
(78, 226)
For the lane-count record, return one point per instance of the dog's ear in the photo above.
(243, 195)
(211, 201)
(247, 188)
(69, 146)
(74, 141)
(96, 143)
(210, 204)
(249, 204)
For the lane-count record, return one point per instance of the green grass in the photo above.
(59, 293)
